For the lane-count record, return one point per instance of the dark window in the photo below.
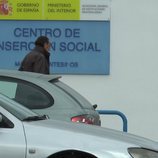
(6, 123)
(26, 93)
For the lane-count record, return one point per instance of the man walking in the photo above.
(38, 59)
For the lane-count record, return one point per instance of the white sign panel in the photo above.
(98, 10)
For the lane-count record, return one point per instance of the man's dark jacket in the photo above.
(36, 61)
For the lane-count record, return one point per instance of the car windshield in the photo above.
(84, 103)
(16, 109)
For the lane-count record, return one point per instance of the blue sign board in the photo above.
(78, 47)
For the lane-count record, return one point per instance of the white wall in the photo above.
(132, 86)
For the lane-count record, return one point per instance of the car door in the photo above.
(12, 139)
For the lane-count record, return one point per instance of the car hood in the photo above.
(58, 135)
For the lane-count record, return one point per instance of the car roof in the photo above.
(24, 74)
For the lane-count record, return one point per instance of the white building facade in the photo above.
(132, 86)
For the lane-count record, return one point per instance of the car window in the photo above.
(25, 93)
(79, 99)
(8, 88)
(5, 123)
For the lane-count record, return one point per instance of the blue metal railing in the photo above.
(115, 112)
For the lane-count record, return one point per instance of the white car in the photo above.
(24, 134)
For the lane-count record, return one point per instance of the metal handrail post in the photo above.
(115, 112)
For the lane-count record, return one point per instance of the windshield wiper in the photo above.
(36, 118)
